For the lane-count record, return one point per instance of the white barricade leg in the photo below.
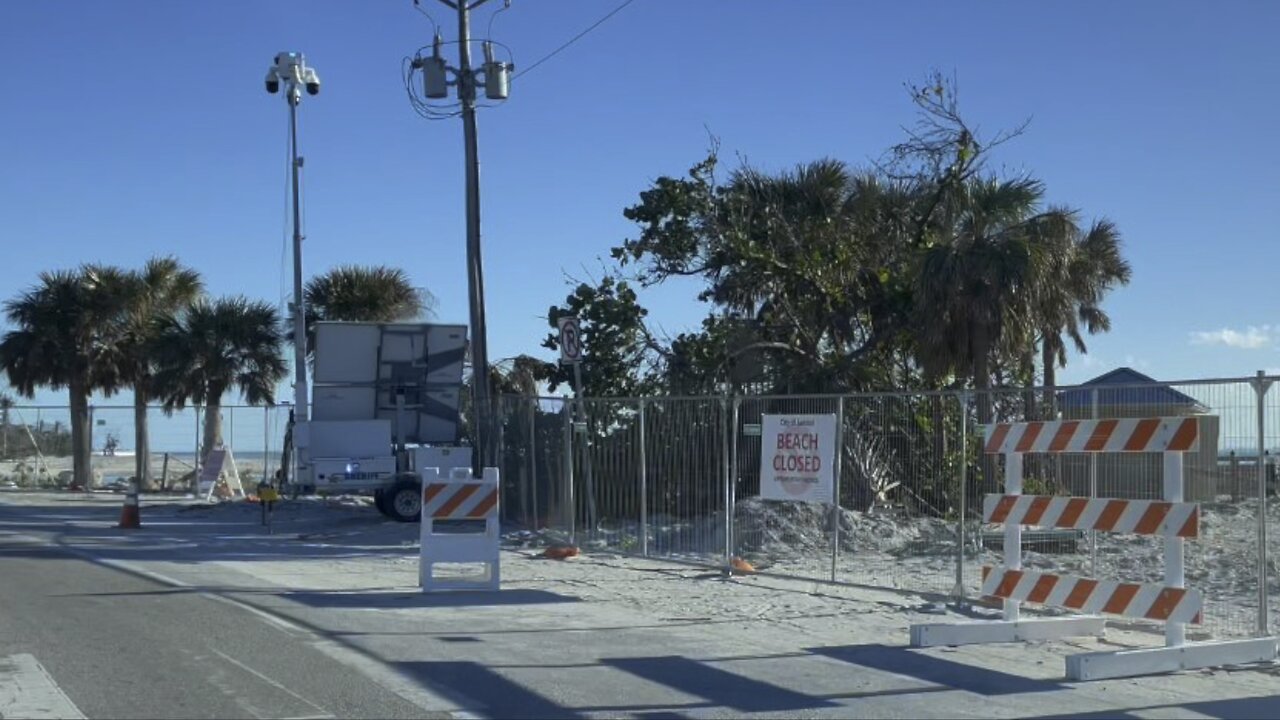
(1175, 633)
(1006, 631)
(1012, 530)
(1150, 661)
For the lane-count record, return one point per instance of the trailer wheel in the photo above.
(380, 501)
(404, 500)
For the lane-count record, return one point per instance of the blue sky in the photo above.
(132, 128)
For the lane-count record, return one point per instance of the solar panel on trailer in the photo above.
(346, 352)
(353, 352)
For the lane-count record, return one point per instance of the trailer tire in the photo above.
(380, 502)
(404, 500)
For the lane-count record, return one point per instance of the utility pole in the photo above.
(475, 264)
(496, 78)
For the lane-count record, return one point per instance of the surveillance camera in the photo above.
(312, 80)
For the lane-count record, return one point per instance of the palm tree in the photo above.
(518, 375)
(215, 346)
(361, 293)
(65, 337)
(1090, 265)
(977, 282)
(162, 287)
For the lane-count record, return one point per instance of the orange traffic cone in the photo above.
(130, 516)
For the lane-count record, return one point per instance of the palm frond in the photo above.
(230, 343)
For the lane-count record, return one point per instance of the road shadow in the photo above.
(456, 598)
(718, 687)
(1253, 708)
(936, 670)
(480, 690)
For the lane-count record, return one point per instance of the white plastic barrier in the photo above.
(446, 500)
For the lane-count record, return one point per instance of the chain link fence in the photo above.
(35, 444)
(679, 479)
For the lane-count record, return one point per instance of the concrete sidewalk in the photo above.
(606, 636)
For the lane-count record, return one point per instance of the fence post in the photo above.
(644, 487)
(266, 445)
(724, 476)
(195, 475)
(1012, 530)
(733, 471)
(963, 398)
(572, 514)
(533, 462)
(1093, 490)
(1261, 385)
(89, 470)
(836, 514)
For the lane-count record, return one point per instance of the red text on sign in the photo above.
(797, 463)
(797, 441)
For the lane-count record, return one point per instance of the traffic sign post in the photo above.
(571, 354)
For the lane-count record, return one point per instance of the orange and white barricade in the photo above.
(1171, 602)
(447, 500)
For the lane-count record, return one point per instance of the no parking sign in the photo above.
(570, 340)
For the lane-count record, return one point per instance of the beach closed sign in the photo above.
(798, 457)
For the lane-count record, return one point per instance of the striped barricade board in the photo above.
(460, 500)
(1134, 517)
(1107, 597)
(1094, 436)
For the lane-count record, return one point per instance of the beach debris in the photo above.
(560, 552)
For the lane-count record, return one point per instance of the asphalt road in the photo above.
(121, 646)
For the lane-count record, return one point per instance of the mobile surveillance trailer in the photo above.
(385, 406)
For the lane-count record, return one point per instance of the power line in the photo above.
(574, 39)
(427, 15)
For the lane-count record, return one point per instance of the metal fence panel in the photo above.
(662, 476)
(788, 538)
(35, 449)
(901, 488)
(531, 452)
(685, 474)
